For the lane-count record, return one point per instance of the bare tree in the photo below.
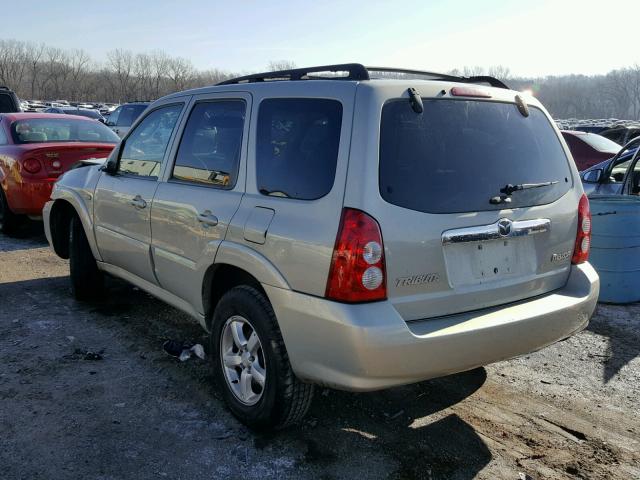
(180, 71)
(275, 65)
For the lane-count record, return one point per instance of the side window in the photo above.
(634, 179)
(209, 151)
(297, 147)
(144, 148)
(113, 117)
(129, 114)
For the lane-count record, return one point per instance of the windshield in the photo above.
(458, 154)
(41, 130)
(600, 143)
(84, 113)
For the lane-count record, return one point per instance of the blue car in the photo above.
(619, 175)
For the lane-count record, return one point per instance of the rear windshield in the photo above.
(40, 130)
(129, 114)
(458, 154)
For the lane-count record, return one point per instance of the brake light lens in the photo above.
(469, 92)
(32, 165)
(583, 236)
(357, 272)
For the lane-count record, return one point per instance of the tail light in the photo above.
(32, 165)
(583, 237)
(357, 272)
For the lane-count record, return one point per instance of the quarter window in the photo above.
(297, 147)
(209, 152)
(145, 147)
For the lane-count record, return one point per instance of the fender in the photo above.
(252, 262)
(61, 192)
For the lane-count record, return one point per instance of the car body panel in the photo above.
(584, 154)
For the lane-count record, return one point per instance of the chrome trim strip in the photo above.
(492, 232)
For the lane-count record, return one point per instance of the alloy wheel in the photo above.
(242, 360)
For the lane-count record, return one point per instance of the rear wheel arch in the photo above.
(218, 280)
(59, 223)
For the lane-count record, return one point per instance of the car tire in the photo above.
(9, 221)
(282, 399)
(87, 282)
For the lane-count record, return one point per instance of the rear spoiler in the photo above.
(88, 162)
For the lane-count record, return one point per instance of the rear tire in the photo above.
(281, 399)
(87, 282)
(9, 221)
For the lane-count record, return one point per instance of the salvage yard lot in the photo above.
(568, 411)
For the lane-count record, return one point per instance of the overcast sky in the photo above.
(535, 37)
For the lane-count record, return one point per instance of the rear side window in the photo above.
(209, 152)
(129, 114)
(458, 154)
(6, 104)
(145, 146)
(297, 147)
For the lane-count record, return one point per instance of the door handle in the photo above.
(208, 219)
(138, 202)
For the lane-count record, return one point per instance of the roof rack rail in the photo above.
(492, 81)
(355, 71)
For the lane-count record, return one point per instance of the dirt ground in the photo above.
(568, 411)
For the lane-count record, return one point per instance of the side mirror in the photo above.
(592, 176)
(110, 167)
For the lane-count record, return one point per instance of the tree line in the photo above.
(39, 71)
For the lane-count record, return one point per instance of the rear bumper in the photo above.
(29, 197)
(370, 347)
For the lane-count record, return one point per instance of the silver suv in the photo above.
(330, 228)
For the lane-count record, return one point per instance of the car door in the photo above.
(204, 183)
(123, 201)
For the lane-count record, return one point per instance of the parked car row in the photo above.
(344, 231)
(35, 149)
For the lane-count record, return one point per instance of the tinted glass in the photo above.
(297, 147)
(40, 130)
(129, 114)
(6, 104)
(144, 148)
(84, 113)
(113, 117)
(616, 135)
(458, 154)
(209, 151)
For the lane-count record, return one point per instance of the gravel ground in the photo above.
(568, 411)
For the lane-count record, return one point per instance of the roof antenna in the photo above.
(415, 100)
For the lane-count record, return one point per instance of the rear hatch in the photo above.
(57, 158)
(449, 248)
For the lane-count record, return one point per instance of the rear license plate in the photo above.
(475, 263)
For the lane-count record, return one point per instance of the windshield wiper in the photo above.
(509, 189)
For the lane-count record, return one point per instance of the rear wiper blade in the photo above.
(508, 189)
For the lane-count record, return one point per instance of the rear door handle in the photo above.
(208, 219)
(138, 202)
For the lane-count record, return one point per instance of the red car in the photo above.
(35, 149)
(588, 149)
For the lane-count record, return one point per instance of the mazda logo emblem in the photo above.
(504, 227)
